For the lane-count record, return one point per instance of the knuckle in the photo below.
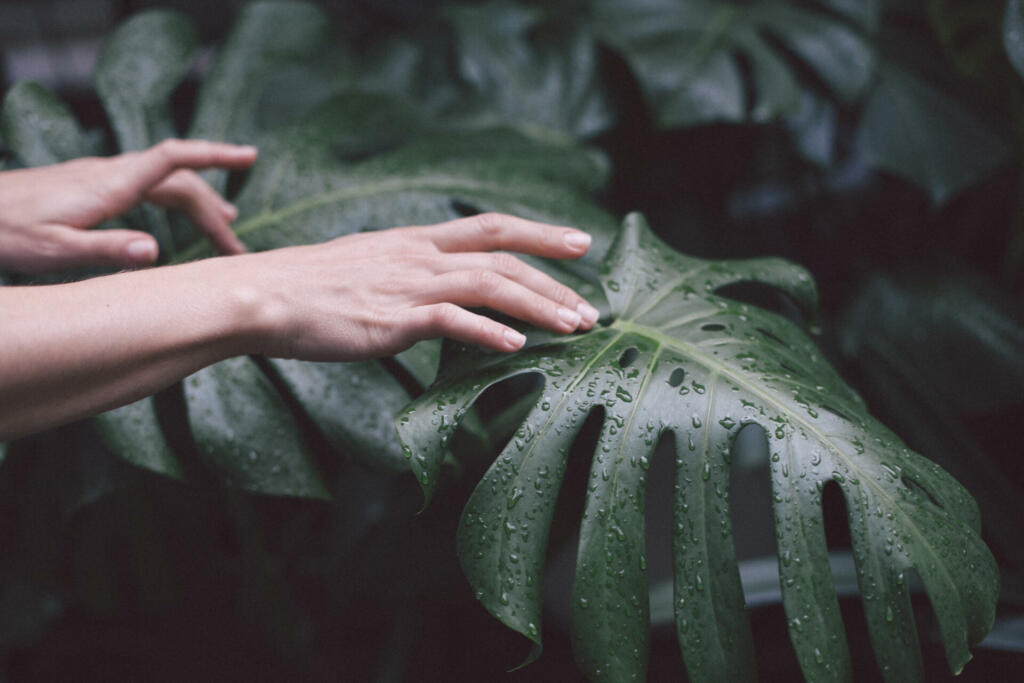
(485, 281)
(444, 315)
(483, 330)
(169, 148)
(565, 294)
(544, 309)
(506, 263)
(491, 223)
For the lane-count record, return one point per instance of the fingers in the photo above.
(533, 279)
(212, 214)
(490, 289)
(58, 247)
(145, 169)
(493, 231)
(449, 320)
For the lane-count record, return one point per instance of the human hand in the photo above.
(46, 210)
(374, 294)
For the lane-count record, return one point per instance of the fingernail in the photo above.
(577, 241)
(514, 340)
(247, 149)
(588, 313)
(230, 210)
(571, 318)
(141, 250)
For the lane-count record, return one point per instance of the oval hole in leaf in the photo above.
(915, 487)
(763, 296)
(712, 327)
(788, 368)
(838, 413)
(768, 335)
(677, 377)
(628, 357)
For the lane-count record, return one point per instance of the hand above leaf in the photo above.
(372, 294)
(47, 209)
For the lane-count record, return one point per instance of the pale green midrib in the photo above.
(363, 190)
(689, 319)
(358, 191)
(711, 364)
(662, 293)
(547, 424)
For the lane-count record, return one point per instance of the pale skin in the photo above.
(71, 350)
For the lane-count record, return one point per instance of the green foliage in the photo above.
(416, 129)
(356, 162)
(686, 55)
(142, 63)
(971, 365)
(523, 70)
(914, 130)
(1013, 34)
(677, 358)
(40, 127)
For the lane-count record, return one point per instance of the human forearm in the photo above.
(67, 351)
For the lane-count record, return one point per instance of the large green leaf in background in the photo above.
(525, 71)
(39, 127)
(915, 130)
(357, 162)
(141, 64)
(267, 38)
(1013, 34)
(686, 55)
(676, 358)
(934, 352)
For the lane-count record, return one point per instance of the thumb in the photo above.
(124, 248)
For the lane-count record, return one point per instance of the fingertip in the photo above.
(588, 314)
(513, 340)
(228, 210)
(238, 247)
(577, 241)
(245, 153)
(141, 252)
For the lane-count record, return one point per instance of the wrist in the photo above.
(254, 314)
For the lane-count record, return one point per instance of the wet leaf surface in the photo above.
(677, 358)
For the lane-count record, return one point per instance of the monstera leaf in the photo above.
(523, 70)
(678, 359)
(356, 162)
(914, 129)
(687, 55)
